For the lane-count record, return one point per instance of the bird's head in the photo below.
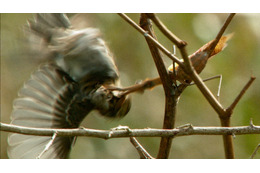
(110, 103)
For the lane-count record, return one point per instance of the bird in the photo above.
(72, 81)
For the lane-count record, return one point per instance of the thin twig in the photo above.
(47, 146)
(239, 130)
(142, 152)
(144, 33)
(221, 31)
(235, 102)
(255, 151)
(178, 42)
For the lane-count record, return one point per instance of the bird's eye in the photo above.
(109, 96)
(186, 81)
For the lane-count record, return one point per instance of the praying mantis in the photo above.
(198, 59)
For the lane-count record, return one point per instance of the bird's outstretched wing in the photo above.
(47, 100)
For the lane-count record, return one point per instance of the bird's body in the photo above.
(66, 88)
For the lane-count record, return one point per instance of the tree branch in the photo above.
(171, 95)
(225, 121)
(233, 105)
(142, 152)
(221, 31)
(178, 42)
(106, 134)
(145, 23)
(47, 146)
(255, 151)
(145, 34)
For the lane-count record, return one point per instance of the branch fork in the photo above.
(224, 114)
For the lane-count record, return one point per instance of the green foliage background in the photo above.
(236, 63)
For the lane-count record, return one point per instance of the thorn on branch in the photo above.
(129, 131)
(251, 123)
(186, 126)
(146, 34)
(234, 135)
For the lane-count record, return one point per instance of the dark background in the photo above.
(236, 63)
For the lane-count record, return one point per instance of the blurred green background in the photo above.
(236, 63)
